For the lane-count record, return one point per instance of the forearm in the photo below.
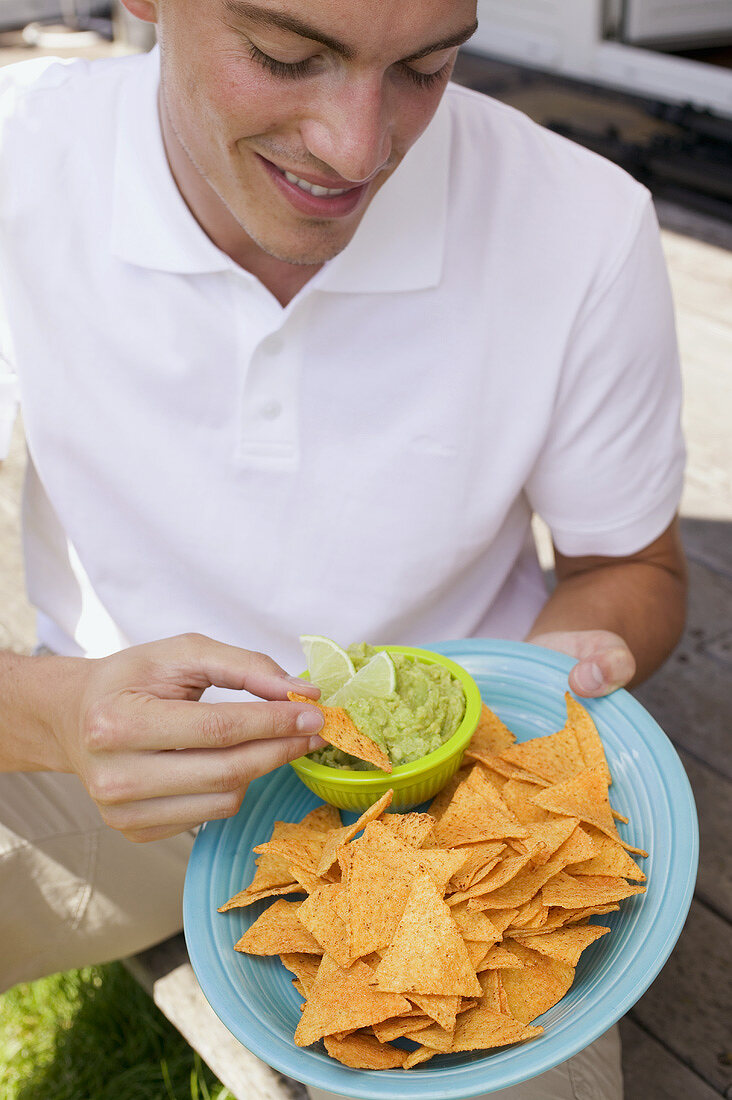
(643, 602)
(31, 690)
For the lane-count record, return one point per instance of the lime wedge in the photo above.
(329, 666)
(375, 680)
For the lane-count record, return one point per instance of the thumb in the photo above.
(603, 672)
(200, 661)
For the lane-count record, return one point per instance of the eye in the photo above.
(426, 80)
(283, 69)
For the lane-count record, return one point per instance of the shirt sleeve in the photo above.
(608, 479)
(9, 402)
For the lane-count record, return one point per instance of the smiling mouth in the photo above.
(312, 188)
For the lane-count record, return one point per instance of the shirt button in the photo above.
(271, 410)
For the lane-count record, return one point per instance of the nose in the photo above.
(350, 129)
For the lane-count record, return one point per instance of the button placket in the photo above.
(268, 421)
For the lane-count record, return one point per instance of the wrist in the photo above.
(40, 707)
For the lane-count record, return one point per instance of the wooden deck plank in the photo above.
(713, 796)
(689, 697)
(652, 1073)
(166, 973)
(689, 1006)
(709, 542)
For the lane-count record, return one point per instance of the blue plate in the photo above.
(525, 685)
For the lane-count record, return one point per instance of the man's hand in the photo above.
(620, 617)
(604, 661)
(155, 759)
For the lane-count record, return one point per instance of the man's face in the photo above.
(276, 100)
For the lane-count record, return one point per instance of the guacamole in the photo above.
(424, 711)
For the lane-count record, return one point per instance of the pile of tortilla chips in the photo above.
(454, 928)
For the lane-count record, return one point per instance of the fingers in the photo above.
(153, 818)
(606, 671)
(144, 722)
(135, 777)
(228, 666)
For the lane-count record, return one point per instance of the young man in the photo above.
(302, 341)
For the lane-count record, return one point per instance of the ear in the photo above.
(147, 10)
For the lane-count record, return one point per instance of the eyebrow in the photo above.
(240, 9)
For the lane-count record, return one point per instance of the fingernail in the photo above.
(299, 682)
(316, 743)
(309, 721)
(588, 676)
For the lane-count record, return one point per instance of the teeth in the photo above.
(314, 188)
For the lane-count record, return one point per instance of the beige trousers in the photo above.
(74, 892)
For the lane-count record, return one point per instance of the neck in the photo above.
(283, 280)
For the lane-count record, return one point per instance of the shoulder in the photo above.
(535, 184)
(57, 120)
(36, 95)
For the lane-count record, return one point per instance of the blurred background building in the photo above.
(647, 83)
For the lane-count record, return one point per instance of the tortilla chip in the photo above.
(553, 758)
(443, 1010)
(481, 858)
(343, 1000)
(584, 796)
(477, 951)
(443, 798)
(303, 966)
(537, 987)
(473, 924)
(530, 912)
(322, 819)
(504, 769)
(491, 735)
(610, 859)
(274, 874)
(505, 870)
(377, 894)
(338, 730)
(388, 1030)
(421, 1054)
(566, 944)
(412, 829)
(476, 813)
(360, 1051)
(246, 897)
(382, 870)
(517, 794)
(433, 1037)
(427, 954)
(338, 837)
(482, 1028)
(588, 739)
(318, 915)
(278, 930)
(308, 881)
(569, 892)
(500, 958)
(575, 915)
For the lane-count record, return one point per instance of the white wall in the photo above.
(566, 36)
(661, 20)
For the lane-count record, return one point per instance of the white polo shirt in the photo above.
(497, 339)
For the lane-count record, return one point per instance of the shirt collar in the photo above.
(399, 244)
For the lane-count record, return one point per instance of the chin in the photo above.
(315, 249)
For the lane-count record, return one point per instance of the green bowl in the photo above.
(412, 783)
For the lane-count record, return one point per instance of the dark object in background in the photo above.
(681, 153)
